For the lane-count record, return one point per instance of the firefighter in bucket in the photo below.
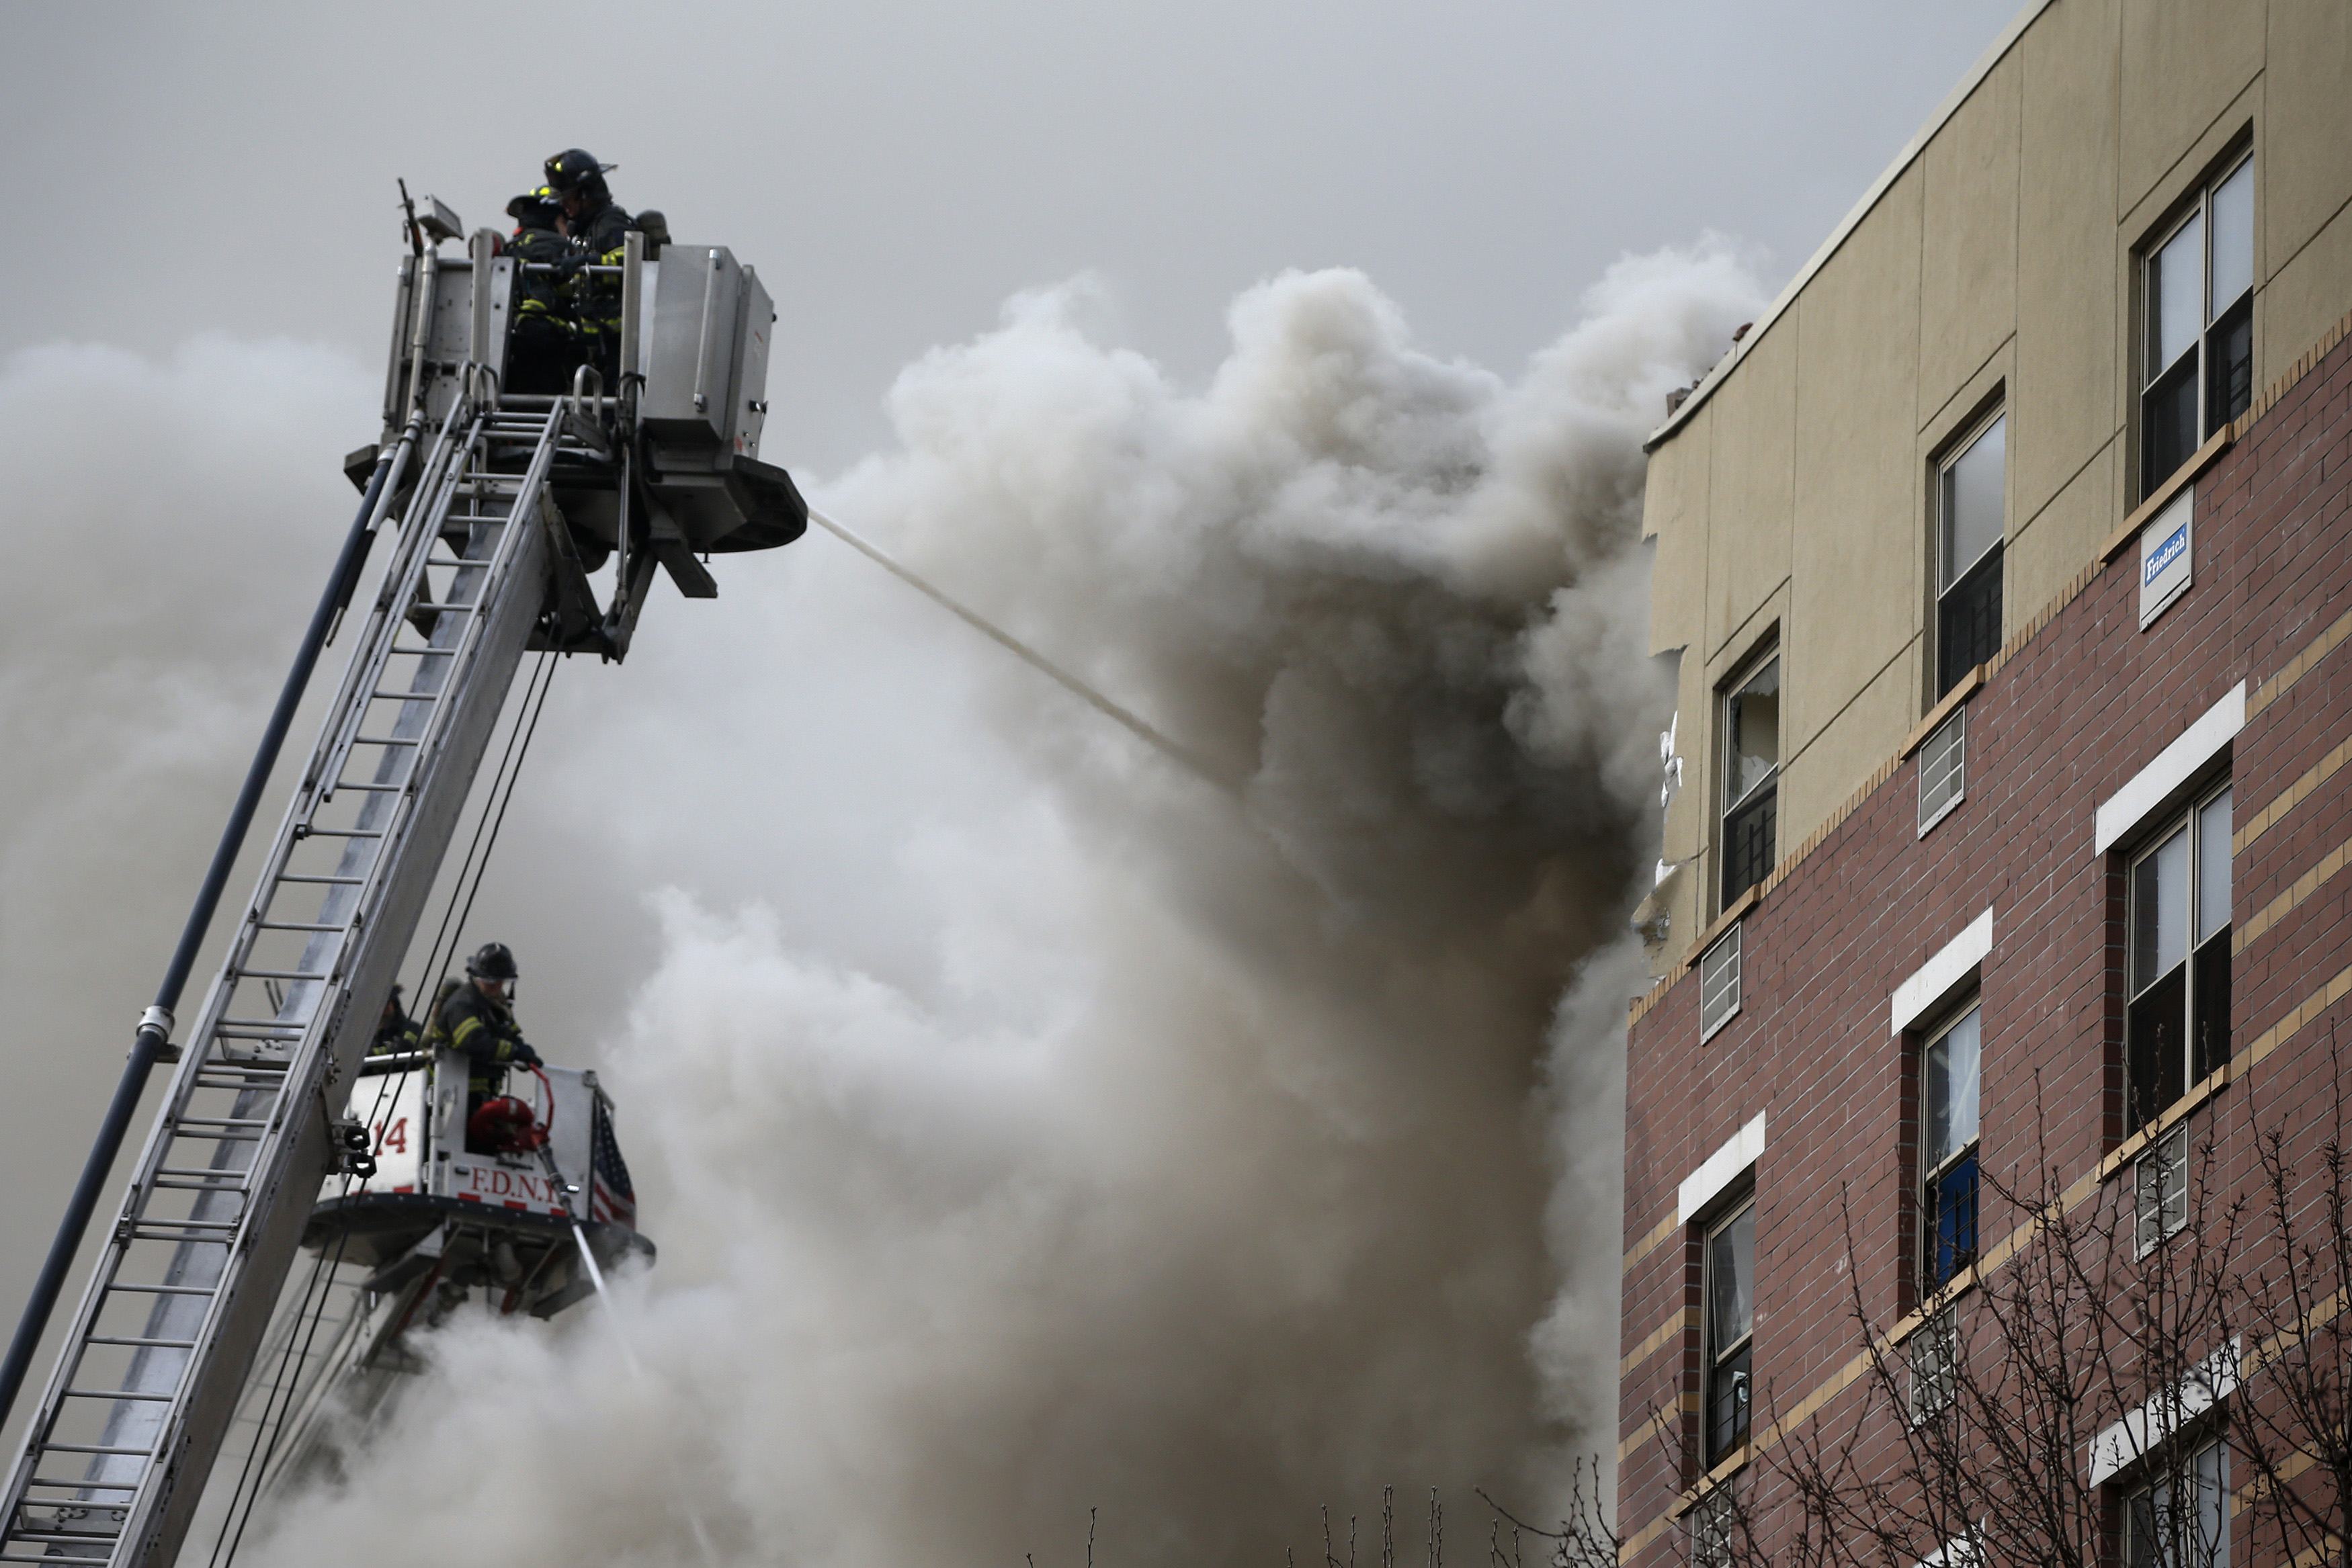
(475, 1017)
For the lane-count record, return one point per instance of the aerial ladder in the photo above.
(489, 507)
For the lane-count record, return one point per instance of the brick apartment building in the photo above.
(2008, 559)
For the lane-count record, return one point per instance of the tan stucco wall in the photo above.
(1791, 504)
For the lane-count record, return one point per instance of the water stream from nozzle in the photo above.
(628, 1352)
(1118, 713)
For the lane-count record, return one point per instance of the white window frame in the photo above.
(1718, 983)
(1943, 769)
(2167, 1474)
(1713, 1357)
(2199, 208)
(2160, 1190)
(1975, 432)
(1932, 1358)
(1969, 1006)
(2187, 819)
(1726, 805)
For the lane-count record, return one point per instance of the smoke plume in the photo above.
(1029, 1125)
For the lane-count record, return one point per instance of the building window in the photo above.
(1751, 775)
(1718, 984)
(2180, 1519)
(2177, 1027)
(1950, 1070)
(1730, 1294)
(1943, 770)
(2160, 1190)
(1711, 1529)
(2197, 294)
(1934, 1353)
(1971, 516)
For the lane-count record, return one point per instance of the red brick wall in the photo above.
(2065, 719)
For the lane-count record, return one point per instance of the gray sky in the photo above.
(895, 170)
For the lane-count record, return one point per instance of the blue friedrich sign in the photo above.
(2164, 557)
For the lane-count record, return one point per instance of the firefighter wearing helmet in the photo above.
(546, 343)
(476, 1017)
(598, 227)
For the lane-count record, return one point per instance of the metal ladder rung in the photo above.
(91, 1448)
(58, 1532)
(296, 925)
(137, 1343)
(391, 740)
(438, 605)
(164, 1291)
(113, 1394)
(246, 1030)
(204, 1137)
(380, 694)
(56, 1535)
(343, 833)
(222, 1122)
(184, 1171)
(373, 790)
(174, 1185)
(54, 1560)
(312, 877)
(279, 975)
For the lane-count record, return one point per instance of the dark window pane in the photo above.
(1968, 623)
(1748, 842)
(2231, 363)
(2168, 425)
(2210, 1030)
(2156, 1061)
(2139, 1532)
(1950, 1203)
(1728, 1405)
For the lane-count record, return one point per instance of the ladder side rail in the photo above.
(163, 1506)
(156, 1028)
(165, 1377)
(399, 579)
(134, 1424)
(284, 1180)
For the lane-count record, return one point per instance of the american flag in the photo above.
(610, 1196)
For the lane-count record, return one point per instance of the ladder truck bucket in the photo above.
(493, 508)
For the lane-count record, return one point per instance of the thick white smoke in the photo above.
(161, 551)
(1027, 1125)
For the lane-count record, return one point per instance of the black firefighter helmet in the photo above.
(576, 169)
(492, 961)
(536, 209)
